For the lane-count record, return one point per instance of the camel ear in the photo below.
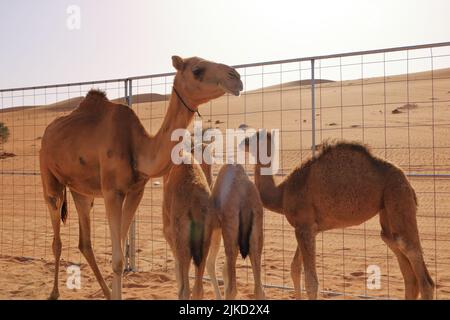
(244, 145)
(178, 63)
(204, 132)
(243, 127)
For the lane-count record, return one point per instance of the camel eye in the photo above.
(197, 72)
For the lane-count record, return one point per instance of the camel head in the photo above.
(252, 144)
(206, 167)
(199, 81)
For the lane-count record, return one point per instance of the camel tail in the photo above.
(196, 234)
(415, 197)
(245, 230)
(64, 212)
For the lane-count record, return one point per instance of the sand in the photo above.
(405, 138)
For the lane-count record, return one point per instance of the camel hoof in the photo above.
(197, 296)
(53, 296)
(107, 294)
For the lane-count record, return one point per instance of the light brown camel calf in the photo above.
(240, 212)
(188, 222)
(101, 149)
(344, 186)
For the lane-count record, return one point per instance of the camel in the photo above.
(101, 149)
(188, 221)
(345, 185)
(240, 212)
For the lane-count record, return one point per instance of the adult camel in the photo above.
(101, 149)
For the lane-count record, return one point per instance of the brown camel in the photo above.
(102, 150)
(344, 186)
(188, 221)
(240, 212)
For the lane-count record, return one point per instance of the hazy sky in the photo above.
(136, 37)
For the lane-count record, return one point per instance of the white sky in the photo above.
(127, 38)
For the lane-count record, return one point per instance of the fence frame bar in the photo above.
(130, 243)
(249, 65)
(313, 108)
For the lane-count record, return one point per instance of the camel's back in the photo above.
(95, 120)
(73, 145)
(186, 181)
(345, 183)
(233, 188)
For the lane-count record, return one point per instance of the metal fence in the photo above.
(395, 100)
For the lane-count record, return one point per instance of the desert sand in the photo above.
(415, 137)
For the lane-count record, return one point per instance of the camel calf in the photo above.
(343, 186)
(188, 222)
(240, 213)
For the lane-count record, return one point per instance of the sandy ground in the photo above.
(406, 138)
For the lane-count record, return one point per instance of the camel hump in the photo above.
(96, 94)
(349, 148)
(339, 145)
(94, 98)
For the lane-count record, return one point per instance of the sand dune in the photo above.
(72, 103)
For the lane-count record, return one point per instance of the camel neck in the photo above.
(271, 194)
(207, 170)
(177, 116)
(155, 158)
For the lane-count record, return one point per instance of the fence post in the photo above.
(313, 108)
(130, 245)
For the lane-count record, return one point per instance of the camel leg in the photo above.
(400, 214)
(413, 253)
(296, 273)
(230, 273)
(255, 259)
(56, 246)
(167, 232)
(411, 285)
(83, 205)
(197, 291)
(54, 198)
(256, 247)
(211, 261)
(113, 203)
(182, 263)
(415, 257)
(226, 280)
(179, 235)
(306, 239)
(130, 206)
(231, 253)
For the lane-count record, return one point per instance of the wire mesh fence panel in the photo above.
(395, 101)
(26, 229)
